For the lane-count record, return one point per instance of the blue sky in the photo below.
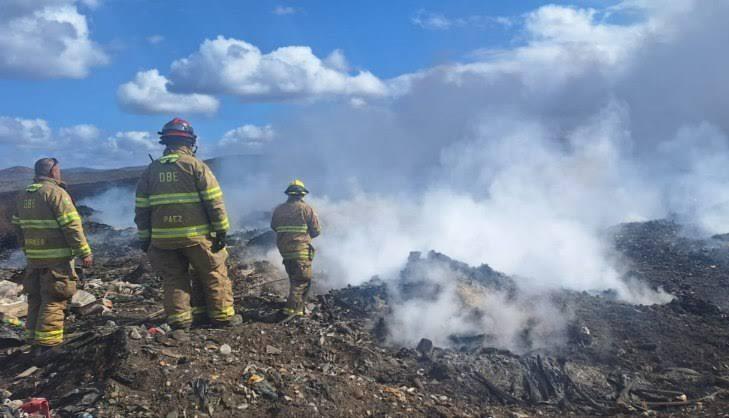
(138, 35)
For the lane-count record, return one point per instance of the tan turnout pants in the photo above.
(201, 295)
(300, 275)
(48, 289)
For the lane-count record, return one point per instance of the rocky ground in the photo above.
(614, 359)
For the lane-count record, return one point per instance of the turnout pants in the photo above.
(49, 289)
(203, 295)
(300, 275)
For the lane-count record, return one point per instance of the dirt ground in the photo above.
(617, 359)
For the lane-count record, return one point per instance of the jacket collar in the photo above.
(178, 150)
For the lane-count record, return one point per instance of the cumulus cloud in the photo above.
(23, 133)
(46, 39)
(22, 141)
(245, 139)
(235, 67)
(148, 94)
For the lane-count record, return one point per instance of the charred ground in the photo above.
(614, 358)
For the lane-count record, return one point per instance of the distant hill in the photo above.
(87, 182)
(15, 178)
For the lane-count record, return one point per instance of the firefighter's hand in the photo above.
(87, 261)
(219, 242)
(144, 245)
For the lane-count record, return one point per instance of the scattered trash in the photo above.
(200, 388)
(272, 350)
(37, 406)
(260, 384)
(82, 298)
(156, 331)
(29, 371)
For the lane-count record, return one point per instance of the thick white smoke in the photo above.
(520, 158)
(113, 207)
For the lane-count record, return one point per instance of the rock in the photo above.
(439, 371)
(180, 335)
(272, 350)
(82, 298)
(226, 350)
(110, 324)
(172, 414)
(166, 328)
(425, 347)
(135, 334)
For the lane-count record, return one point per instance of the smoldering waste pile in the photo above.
(353, 358)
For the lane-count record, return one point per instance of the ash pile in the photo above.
(475, 344)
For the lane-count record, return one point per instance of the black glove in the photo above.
(219, 241)
(144, 245)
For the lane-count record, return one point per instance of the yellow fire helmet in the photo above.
(296, 188)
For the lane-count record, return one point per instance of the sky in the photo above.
(92, 80)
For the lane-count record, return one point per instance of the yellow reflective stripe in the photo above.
(292, 311)
(222, 315)
(223, 225)
(142, 202)
(169, 158)
(67, 218)
(295, 255)
(168, 198)
(199, 310)
(184, 232)
(38, 223)
(175, 200)
(49, 337)
(49, 253)
(292, 228)
(15, 220)
(211, 194)
(143, 234)
(180, 318)
(82, 251)
(33, 187)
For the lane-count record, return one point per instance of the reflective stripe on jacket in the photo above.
(48, 224)
(295, 223)
(179, 202)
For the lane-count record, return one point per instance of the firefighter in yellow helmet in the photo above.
(182, 223)
(296, 223)
(50, 232)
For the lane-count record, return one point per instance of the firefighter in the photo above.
(51, 235)
(296, 223)
(182, 223)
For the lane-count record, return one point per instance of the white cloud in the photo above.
(284, 10)
(132, 142)
(155, 39)
(428, 20)
(22, 141)
(84, 133)
(438, 21)
(231, 66)
(24, 133)
(148, 94)
(245, 139)
(46, 39)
